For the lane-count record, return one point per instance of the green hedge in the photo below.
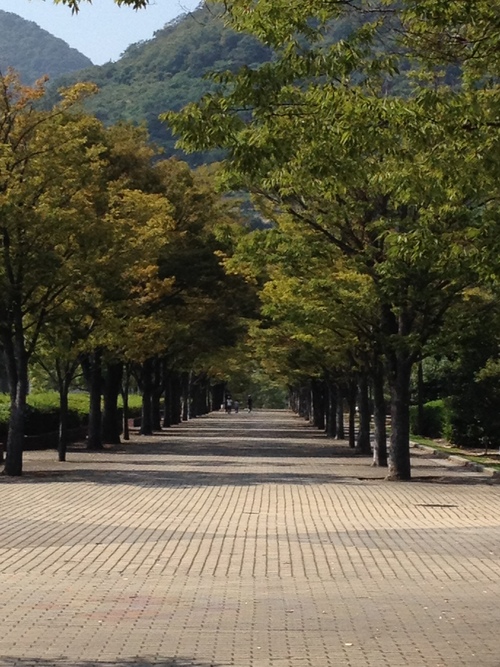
(43, 411)
(436, 420)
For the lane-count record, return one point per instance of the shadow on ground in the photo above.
(7, 661)
(248, 447)
(226, 477)
(189, 458)
(176, 479)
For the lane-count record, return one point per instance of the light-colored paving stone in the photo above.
(247, 540)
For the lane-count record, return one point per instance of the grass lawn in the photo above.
(490, 459)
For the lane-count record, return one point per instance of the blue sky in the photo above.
(101, 30)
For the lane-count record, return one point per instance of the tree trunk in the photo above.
(65, 374)
(94, 440)
(351, 399)
(206, 396)
(175, 417)
(62, 441)
(186, 396)
(147, 397)
(363, 445)
(167, 398)
(305, 402)
(217, 396)
(340, 413)
(157, 392)
(379, 419)
(15, 438)
(318, 403)
(17, 372)
(195, 393)
(111, 415)
(200, 396)
(156, 411)
(331, 409)
(399, 454)
(125, 390)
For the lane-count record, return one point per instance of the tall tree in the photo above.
(375, 176)
(47, 187)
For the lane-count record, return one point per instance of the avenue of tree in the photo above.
(383, 147)
(111, 262)
(374, 160)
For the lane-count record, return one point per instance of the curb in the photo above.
(476, 467)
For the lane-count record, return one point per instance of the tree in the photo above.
(375, 176)
(166, 302)
(118, 269)
(47, 187)
(210, 308)
(139, 225)
(312, 297)
(58, 354)
(75, 4)
(459, 32)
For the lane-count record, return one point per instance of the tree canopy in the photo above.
(393, 183)
(376, 166)
(75, 4)
(99, 240)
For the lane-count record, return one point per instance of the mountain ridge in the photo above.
(34, 52)
(166, 72)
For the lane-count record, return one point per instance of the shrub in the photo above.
(436, 420)
(134, 404)
(42, 413)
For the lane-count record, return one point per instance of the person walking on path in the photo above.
(249, 403)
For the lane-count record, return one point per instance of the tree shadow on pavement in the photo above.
(247, 448)
(226, 477)
(11, 661)
(177, 478)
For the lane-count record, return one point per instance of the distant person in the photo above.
(249, 403)
(236, 405)
(229, 404)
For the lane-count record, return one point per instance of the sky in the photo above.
(101, 30)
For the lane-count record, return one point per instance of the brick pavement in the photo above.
(247, 540)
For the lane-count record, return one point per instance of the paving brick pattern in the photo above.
(247, 540)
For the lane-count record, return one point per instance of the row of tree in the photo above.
(376, 157)
(111, 261)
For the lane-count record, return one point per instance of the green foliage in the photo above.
(459, 32)
(403, 189)
(465, 370)
(34, 52)
(244, 375)
(475, 407)
(168, 72)
(75, 4)
(42, 412)
(44, 401)
(134, 403)
(436, 419)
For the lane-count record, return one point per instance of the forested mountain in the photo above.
(168, 71)
(34, 52)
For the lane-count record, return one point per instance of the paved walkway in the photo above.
(247, 540)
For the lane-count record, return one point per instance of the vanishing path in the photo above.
(246, 540)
